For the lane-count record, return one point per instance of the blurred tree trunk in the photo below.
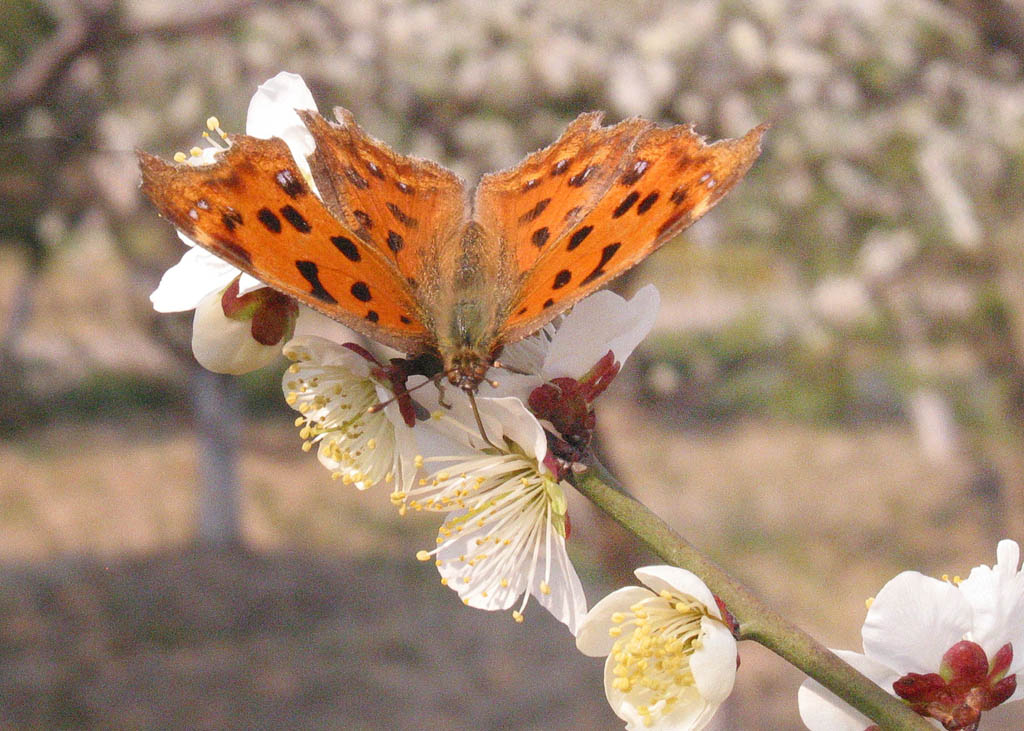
(217, 410)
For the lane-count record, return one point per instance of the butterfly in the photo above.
(390, 245)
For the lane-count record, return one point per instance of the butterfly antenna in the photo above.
(510, 369)
(383, 404)
(479, 421)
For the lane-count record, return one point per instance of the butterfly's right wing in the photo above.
(654, 183)
(252, 208)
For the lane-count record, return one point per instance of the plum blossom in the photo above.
(505, 533)
(229, 329)
(671, 655)
(951, 649)
(348, 409)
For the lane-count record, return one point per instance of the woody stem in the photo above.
(757, 621)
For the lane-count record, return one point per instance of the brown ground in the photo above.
(108, 618)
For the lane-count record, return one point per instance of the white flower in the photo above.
(220, 343)
(951, 649)
(671, 657)
(334, 388)
(602, 322)
(505, 533)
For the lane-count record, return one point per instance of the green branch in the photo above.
(757, 621)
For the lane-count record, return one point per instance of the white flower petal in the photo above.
(602, 322)
(593, 638)
(822, 710)
(272, 114)
(185, 284)
(312, 323)
(913, 621)
(223, 345)
(462, 566)
(687, 715)
(996, 596)
(678, 581)
(562, 592)
(714, 662)
(504, 417)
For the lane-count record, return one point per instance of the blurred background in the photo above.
(834, 391)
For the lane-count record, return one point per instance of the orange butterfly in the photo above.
(392, 248)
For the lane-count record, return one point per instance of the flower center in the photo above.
(507, 516)
(656, 639)
(356, 444)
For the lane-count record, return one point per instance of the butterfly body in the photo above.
(390, 246)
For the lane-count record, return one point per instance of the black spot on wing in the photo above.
(375, 170)
(309, 271)
(531, 184)
(577, 238)
(404, 187)
(540, 236)
(626, 204)
(631, 176)
(606, 256)
(562, 279)
(395, 241)
(580, 179)
(678, 195)
(356, 179)
(405, 320)
(372, 316)
(347, 247)
(231, 218)
(290, 183)
(533, 213)
(361, 291)
(401, 216)
(269, 219)
(296, 219)
(364, 218)
(646, 203)
(548, 303)
(560, 167)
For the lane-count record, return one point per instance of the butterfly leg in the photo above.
(479, 421)
(440, 395)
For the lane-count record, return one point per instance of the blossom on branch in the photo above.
(505, 532)
(671, 655)
(232, 331)
(951, 649)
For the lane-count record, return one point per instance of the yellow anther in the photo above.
(212, 123)
(423, 555)
(180, 157)
(545, 587)
(517, 616)
(869, 601)
(196, 152)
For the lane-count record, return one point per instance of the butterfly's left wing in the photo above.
(664, 180)
(252, 208)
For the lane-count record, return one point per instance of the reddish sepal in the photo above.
(272, 314)
(968, 684)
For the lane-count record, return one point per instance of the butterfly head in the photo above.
(466, 368)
